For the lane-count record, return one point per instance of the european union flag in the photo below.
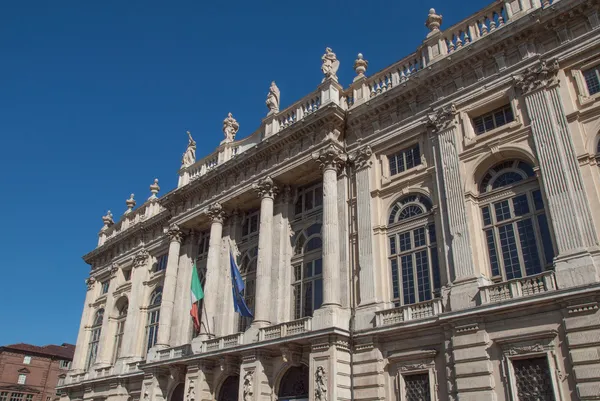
(237, 287)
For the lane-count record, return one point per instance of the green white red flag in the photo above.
(197, 294)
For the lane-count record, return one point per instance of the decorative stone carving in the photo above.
(330, 157)
(230, 128)
(434, 21)
(191, 394)
(216, 212)
(266, 188)
(189, 157)
(248, 381)
(320, 384)
(154, 189)
(525, 349)
(442, 118)
(130, 204)
(174, 233)
(141, 258)
(107, 220)
(113, 270)
(273, 99)
(541, 75)
(414, 366)
(360, 66)
(330, 65)
(90, 281)
(362, 158)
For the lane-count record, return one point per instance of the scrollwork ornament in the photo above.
(330, 158)
(525, 349)
(542, 75)
(266, 188)
(442, 118)
(216, 213)
(175, 233)
(362, 158)
(320, 384)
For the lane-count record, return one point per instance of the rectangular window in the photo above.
(29, 397)
(4, 396)
(592, 80)
(416, 387)
(105, 287)
(494, 119)
(64, 364)
(27, 360)
(61, 381)
(404, 159)
(22, 379)
(309, 199)
(251, 224)
(161, 262)
(533, 380)
(17, 397)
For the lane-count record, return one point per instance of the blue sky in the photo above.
(96, 96)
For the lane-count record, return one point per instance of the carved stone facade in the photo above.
(430, 232)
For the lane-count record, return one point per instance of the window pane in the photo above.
(499, 119)
(507, 178)
(432, 238)
(533, 379)
(393, 212)
(297, 302)
(308, 270)
(405, 241)
(479, 126)
(591, 80)
(298, 272)
(318, 293)
(488, 121)
(417, 387)
(318, 196)
(308, 200)
(509, 252)
(423, 285)
(491, 243)
(297, 208)
(393, 245)
(419, 234)
(508, 114)
(487, 219)
(408, 280)
(502, 210)
(318, 267)
(435, 268)
(531, 258)
(395, 280)
(313, 243)
(520, 205)
(393, 167)
(308, 294)
(546, 240)
(537, 200)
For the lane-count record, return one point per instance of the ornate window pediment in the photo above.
(415, 374)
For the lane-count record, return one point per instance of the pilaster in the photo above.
(107, 339)
(255, 376)
(82, 336)
(182, 328)
(282, 254)
(330, 377)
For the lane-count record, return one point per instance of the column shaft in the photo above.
(331, 256)
(82, 337)
(132, 324)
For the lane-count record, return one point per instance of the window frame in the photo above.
(27, 360)
(406, 363)
(299, 261)
(17, 396)
(302, 195)
(508, 105)
(22, 379)
(247, 222)
(153, 318)
(403, 151)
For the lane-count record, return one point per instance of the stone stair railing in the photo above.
(406, 313)
(285, 329)
(517, 288)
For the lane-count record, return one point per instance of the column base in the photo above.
(251, 335)
(331, 316)
(365, 315)
(577, 269)
(465, 294)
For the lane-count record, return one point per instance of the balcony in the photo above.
(285, 329)
(175, 352)
(518, 288)
(407, 313)
(224, 342)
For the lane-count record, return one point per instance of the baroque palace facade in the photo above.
(430, 232)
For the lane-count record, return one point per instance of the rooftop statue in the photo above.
(189, 157)
(273, 98)
(330, 65)
(230, 128)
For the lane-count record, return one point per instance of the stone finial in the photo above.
(189, 157)
(434, 21)
(107, 220)
(130, 204)
(330, 65)
(360, 66)
(273, 99)
(230, 128)
(154, 188)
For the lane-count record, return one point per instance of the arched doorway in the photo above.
(230, 389)
(294, 384)
(177, 394)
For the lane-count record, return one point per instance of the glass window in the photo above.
(161, 262)
(95, 338)
(127, 274)
(248, 272)
(22, 379)
(404, 159)
(203, 245)
(153, 318)
(17, 397)
(533, 379)
(494, 119)
(250, 224)
(3, 395)
(121, 318)
(105, 285)
(30, 397)
(591, 80)
(27, 360)
(64, 364)
(416, 387)
(505, 174)
(516, 230)
(310, 199)
(307, 271)
(61, 381)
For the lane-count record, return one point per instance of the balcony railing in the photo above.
(517, 288)
(285, 329)
(218, 343)
(175, 352)
(406, 313)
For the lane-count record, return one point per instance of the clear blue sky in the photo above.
(96, 96)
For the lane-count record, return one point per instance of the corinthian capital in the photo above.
(266, 188)
(541, 75)
(175, 233)
(330, 158)
(362, 158)
(141, 258)
(442, 118)
(216, 213)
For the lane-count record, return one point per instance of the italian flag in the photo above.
(197, 294)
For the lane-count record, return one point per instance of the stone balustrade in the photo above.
(407, 313)
(285, 329)
(517, 288)
(215, 344)
(296, 112)
(175, 352)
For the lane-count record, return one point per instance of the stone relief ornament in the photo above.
(248, 392)
(266, 188)
(362, 158)
(140, 258)
(273, 98)
(442, 118)
(330, 65)
(542, 75)
(175, 233)
(191, 394)
(320, 384)
(331, 157)
(230, 128)
(189, 157)
(90, 281)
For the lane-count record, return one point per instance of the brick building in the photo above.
(31, 373)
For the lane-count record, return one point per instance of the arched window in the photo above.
(122, 306)
(413, 250)
(153, 318)
(514, 221)
(248, 271)
(307, 265)
(95, 338)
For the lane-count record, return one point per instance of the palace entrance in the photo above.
(294, 384)
(177, 394)
(230, 389)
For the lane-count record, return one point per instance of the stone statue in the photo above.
(248, 386)
(330, 65)
(189, 157)
(273, 98)
(230, 128)
(320, 384)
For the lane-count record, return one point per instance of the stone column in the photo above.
(283, 256)
(561, 176)
(181, 329)
(267, 190)
(107, 339)
(370, 292)
(82, 337)
(216, 214)
(331, 159)
(169, 287)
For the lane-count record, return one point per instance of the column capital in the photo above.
(330, 157)
(140, 258)
(175, 233)
(216, 213)
(266, 188)
(541, 75)
(362, 157)
(442, 118)
(90, 281)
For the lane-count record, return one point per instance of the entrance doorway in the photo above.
(294, 384)
(230, 389)
(177, 394)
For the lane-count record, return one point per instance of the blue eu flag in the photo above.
(237, 287)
